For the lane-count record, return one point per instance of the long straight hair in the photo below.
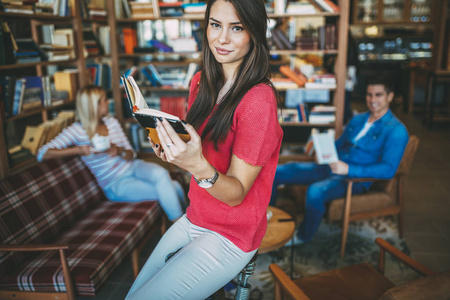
(87, 107)
(253, 70)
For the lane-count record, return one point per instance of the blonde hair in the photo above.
(87, 107)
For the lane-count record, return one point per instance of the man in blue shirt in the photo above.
(371, 146)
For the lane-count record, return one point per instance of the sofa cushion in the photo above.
(38, 204)
(98, 243)
(360, 203)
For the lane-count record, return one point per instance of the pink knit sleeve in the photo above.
(257, 130)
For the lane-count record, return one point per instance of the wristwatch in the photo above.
(208, 182)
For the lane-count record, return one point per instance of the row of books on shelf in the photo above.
(135, 41)
(302, 7)
(323, 37)
(100, 75)
(37, 136)
(93, 9)
(165, 76)
(57, 45)
(156, 9)
(294, 78)
(60, 8)
(28, 93)
(318, 114)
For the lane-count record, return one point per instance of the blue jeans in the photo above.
(146, 181)
(206, 262)
(323, 186)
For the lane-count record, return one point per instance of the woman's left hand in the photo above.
(188, 155)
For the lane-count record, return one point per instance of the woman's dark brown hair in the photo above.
(253, 70)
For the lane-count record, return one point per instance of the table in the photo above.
(277, 233)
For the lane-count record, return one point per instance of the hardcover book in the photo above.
(146, 116)
(325, 147)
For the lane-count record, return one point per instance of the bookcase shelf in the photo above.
(300, 15)
(40, 17)
(159, 54)
(38, 64)
(10, 164)
(39, 111)
(299, 52)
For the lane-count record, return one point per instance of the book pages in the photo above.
(139, 100)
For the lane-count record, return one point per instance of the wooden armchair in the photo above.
(363, 282)
(385, 197)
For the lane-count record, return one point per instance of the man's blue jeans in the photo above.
(323, 186)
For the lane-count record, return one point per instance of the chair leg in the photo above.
(346, 217)
(400, 203)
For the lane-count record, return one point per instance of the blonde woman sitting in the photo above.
(101, 142)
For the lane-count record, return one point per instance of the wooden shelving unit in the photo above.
(342, 18)
(36, 20)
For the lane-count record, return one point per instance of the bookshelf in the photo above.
(392, 11)
(30, 25)
(341, 19)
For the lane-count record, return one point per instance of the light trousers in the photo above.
(206, 262)
(145, 181)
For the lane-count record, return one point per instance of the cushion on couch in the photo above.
(38, 204)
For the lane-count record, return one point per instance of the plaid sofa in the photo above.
(58, 202)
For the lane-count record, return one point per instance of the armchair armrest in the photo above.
(70, 288)
(366, 179)
(416, 266)
(360, 179)
(32, 247)
(283, 282)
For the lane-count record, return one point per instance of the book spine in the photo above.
(18, 96)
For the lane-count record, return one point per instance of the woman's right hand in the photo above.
(84, 150)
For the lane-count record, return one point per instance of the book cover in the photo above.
(325, 147)
(18, 96)
(296, 75)
(129, 39)
(150, 76)
(147, 117)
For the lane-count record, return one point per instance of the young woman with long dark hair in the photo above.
(232, 156)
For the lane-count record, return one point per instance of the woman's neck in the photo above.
(224, 90)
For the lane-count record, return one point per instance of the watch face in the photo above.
(205, 184)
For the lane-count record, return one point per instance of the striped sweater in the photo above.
(104, 167)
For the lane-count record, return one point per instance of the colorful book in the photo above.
(147, 117)
(19, 91)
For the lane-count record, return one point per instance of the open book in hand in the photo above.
(325, 147)
(146, 116)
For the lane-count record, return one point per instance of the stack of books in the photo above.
(321, 114)
(322, 81)
(307, 43)
(143, 9)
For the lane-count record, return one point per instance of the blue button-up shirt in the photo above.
(378, 153)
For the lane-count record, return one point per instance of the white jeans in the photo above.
(146, 181)
(206, 262)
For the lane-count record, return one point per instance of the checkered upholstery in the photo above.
(59, 202)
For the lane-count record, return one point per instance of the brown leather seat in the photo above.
(362, 281)
(348, 283)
